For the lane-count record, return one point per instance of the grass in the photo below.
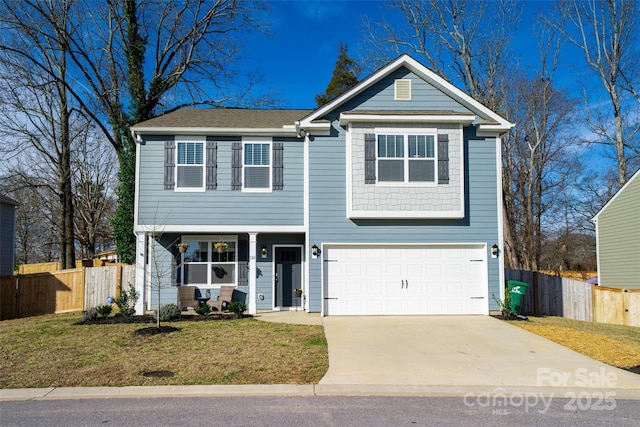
(55, 351)
(614, 345)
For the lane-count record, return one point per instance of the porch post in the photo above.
(252, 273)
(141, 273)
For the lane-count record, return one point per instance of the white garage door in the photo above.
(435, 279)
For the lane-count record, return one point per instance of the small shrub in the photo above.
(169, 312)
(203, 309)
(237, 308)
(91, 314)
(504, 305)
(126, 302)
(104, 310)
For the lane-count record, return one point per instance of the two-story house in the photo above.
(387, 200)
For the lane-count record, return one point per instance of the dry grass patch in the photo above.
(54, 351)
(614, 345)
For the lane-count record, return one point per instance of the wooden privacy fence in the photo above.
(617, 306)
(41, 293)
(101, 282)
(558, 296)
(61, 291)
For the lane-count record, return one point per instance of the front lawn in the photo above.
(56, 351)
(614, 345)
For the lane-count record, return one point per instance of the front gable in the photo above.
(433, 93)
(404, 139)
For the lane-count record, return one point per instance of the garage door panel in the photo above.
(406, 280)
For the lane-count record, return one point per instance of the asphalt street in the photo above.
(472, 409)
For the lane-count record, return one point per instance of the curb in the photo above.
(310, 390)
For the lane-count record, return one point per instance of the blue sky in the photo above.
(298, 56)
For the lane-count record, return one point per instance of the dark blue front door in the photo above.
(288, 275)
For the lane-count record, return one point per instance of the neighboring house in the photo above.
(387, 200)
(7, 235)
(618, 238)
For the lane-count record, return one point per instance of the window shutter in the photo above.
(277, 166)
(236, 166)
(212, 165)
(443, 159)
(169, 165)
(369, 158)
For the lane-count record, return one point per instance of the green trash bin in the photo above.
(516, 294)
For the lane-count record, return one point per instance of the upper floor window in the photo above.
(190, 165)
(257, 165)
(406, 158)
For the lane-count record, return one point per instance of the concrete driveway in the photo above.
(457, 351)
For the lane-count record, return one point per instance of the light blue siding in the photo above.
(424, 96)
(164, 267)
(163, 272)
(329, 223)
(7, 239)
(221, 206)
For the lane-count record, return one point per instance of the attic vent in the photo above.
(403, 90)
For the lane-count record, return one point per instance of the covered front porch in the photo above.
(265, 268)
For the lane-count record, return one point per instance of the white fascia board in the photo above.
(318, 129)
(360, 214)
(615, 196)
(432, 77)
(284, 131)
(491, 130)
(426, 74)
(220, 229)
(464, 119)
(358, 88)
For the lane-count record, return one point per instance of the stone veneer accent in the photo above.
(372, 197)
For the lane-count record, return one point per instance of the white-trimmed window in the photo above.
(207, 266)
(407, 158)
(256, 165)
(190, 165)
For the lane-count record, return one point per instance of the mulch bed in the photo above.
(149, 318)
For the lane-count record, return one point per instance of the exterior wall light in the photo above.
(314, 251)
(494, 251)
(263, 250)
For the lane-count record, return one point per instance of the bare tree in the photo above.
(606, 33)
(39, 116)
(133, 59)
(94, 200)
(35, 233)
(464, 41)
(535, 154)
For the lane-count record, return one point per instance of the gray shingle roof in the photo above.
(225, 118)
